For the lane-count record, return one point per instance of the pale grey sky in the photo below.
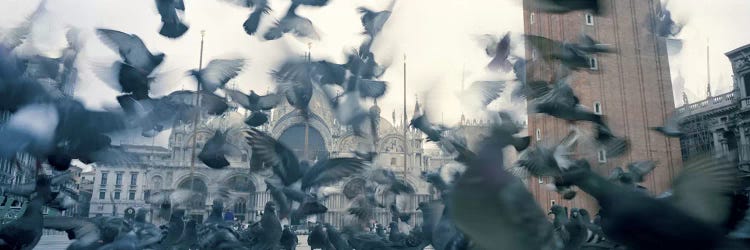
(437, 36)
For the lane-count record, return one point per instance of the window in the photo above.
(589, 19)
(102, 194)
(131, 195)
(538, 135)
(104, 179)
(117, 195)
(533, 54)
(531, 18)
(602, 155)
(393, 161)
(593, 63)
(552, 202)
(118, 179)
(45, 210)
(540, 179)
(597, 108)
(746, 80)
(133, 179)
(146, 195)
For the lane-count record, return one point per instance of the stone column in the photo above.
(717, 143)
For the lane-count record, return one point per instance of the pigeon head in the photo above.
(574, 213)
(270, 207)
(273, 34)
(43, 187)
(557, 210)
(158, 58)
(140, 216)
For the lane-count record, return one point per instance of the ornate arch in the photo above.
(252, 187)
(391, 144)
(295, 117)
(198, 176)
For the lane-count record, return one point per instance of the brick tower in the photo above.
(632, 88)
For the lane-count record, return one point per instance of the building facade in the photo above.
(164, 169)
(722, 123)
(631, 88)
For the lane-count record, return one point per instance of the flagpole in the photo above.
(307, 124)
(405, 124)
(195, 121)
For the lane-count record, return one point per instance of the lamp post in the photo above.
(196, 119)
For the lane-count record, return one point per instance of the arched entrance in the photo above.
(197, 202)
(244, 186)
(294, 138)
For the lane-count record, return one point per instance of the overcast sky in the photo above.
(438, 37)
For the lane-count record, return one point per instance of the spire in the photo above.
(684, 98)
(708, 69)
(417, 109)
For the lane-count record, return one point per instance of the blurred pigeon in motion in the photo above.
(24, 133)
(16, 36)
(336, 239)
(25, 232)
(499, 50)
(297, 25)
(275, 155)
(84, 233)
(133, 74)
(295, 81)
(571, 55)
(636, 173)
(689, 219)
(663, 25)
(289, 239)
(506, 130)
(589, 45)
(614, 146)
(672, 126)
(188, 240)
(433, 132)
(494, 208)
(561, 7)
(260, 9)
(216, 149)
(171, 25)
(562, 103)
(318, 238)
(217, 73)
(373, 21)
(278, 195)
(256, 104)
(482, 93)
(271, 235)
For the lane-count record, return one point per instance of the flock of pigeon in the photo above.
(483, 206)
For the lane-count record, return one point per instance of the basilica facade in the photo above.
(163, 169)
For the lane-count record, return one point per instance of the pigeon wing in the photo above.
(704, 187)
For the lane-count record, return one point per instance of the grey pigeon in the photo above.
(214, 152)
(289, 239)
(25, 232)
(494, 208)
(672, 126)
(217, 73)
(689, 219)
(172, 26)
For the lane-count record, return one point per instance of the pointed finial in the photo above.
(684, 98)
